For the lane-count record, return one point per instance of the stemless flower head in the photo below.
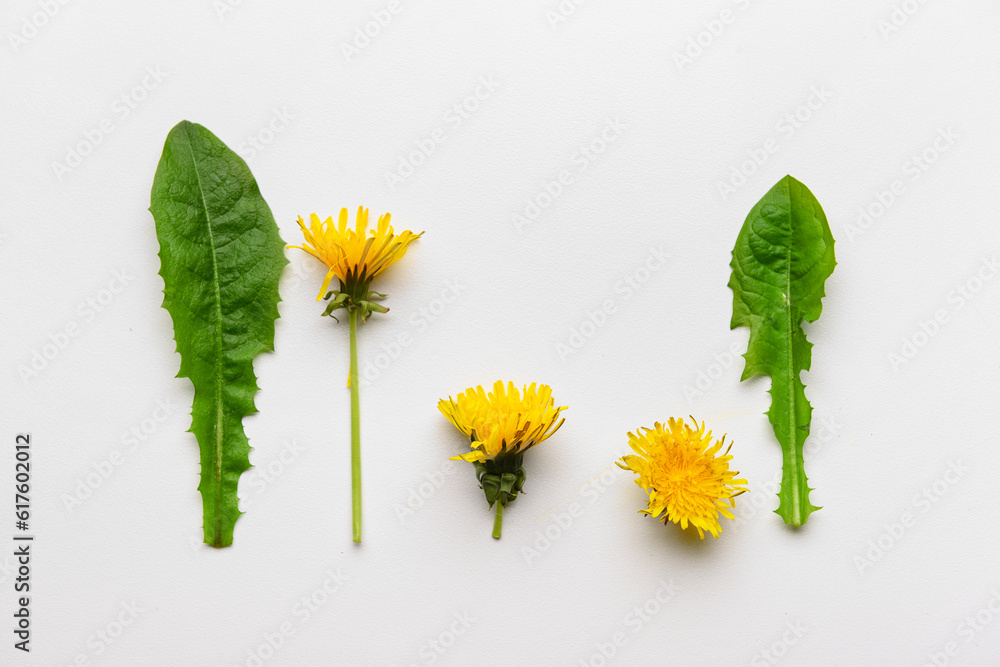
(504, 422)
(501, 425)
(688, 482)
(354, 256)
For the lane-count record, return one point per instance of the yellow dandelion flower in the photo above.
(354, 256)
(501, 425)
(503, 422)
(687, 481)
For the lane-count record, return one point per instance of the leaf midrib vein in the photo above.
(218, 341)
(792, 414)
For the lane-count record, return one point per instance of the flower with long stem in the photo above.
(686, 479)
(501, 425)
(354, 256)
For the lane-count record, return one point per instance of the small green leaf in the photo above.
(781, 261)
(220, 258)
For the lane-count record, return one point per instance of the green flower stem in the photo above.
(355, 430)
(498, 521)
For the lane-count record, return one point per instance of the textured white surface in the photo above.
(759, 595)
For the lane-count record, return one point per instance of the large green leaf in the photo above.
(220, 258)
(781, 261)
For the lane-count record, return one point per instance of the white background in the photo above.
(855, 586)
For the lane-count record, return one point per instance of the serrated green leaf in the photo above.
(781, 261)
(220, 258)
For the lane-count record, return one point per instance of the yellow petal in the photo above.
(326, 284)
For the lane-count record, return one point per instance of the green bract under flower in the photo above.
(355, 256)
